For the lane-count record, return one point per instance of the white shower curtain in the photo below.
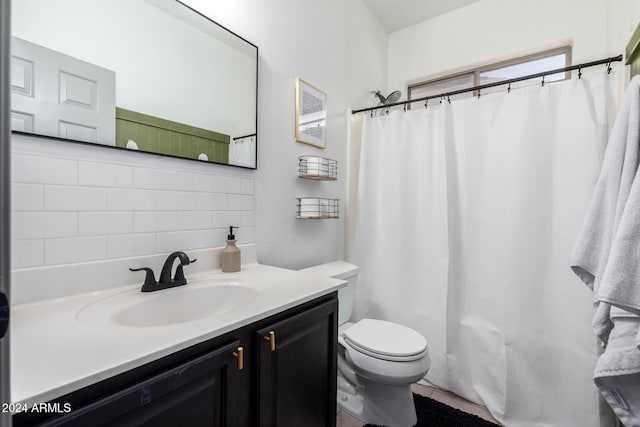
(466, 216)
(242, 152)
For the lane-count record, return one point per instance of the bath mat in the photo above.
(432, 413)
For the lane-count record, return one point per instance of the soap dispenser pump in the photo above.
(231, 254)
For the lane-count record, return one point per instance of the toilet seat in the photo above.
(385, 340)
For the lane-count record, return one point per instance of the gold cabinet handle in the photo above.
(240, 356)
(271, 338)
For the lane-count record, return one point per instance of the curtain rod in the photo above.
(500, 83)
(243, 136)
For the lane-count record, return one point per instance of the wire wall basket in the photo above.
(319, 168)
(317, 208)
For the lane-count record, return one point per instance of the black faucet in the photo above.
(165, 281)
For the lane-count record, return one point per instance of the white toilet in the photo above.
(377, 360)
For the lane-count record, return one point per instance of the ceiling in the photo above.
(397, 14)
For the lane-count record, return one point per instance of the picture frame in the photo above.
(311, 114)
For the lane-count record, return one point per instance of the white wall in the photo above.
(623, 17)
(492, 30)
(336, 46)
(62, 191)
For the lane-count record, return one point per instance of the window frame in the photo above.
(476, 71)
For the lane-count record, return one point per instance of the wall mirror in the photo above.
(147, 75)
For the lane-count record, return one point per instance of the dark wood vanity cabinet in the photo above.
(201, 391)
(279, 371)
(294, 357)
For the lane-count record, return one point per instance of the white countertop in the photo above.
(54, 353)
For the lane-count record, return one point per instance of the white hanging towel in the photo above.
(607, 258)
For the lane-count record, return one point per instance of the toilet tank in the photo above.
(346, 296)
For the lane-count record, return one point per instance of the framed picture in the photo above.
(311, 114)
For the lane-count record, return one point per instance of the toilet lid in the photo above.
(385, 340)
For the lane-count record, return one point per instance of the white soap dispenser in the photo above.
(231, 254)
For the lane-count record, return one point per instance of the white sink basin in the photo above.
(171, 306)
(190, 304)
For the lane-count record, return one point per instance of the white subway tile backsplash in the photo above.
(132, 245)
(217, 237)
(219, 185)
(176, 200)
(233, 185)
(103, 223)
(194, 220)
(234, 218)
(165, 179)
(132, 200)
(76, 249)
(27, 253)
(211, 201)
(154, 221)
(27, 197)
(239, 202)
(73, 198)
(104, 175)
(227, 184)
(188, 181)
(220, 219)
(246, 186)
(248, 219)
(43, 170)
(176, 241)
(43, 225)
(245, 234)
(75, 204)
(211, 238)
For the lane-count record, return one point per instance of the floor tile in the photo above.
(345, 420)
(422, 390)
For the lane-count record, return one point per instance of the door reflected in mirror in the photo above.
(147, 75)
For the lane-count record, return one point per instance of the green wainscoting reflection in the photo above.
(168, 137)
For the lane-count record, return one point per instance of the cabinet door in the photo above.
(297, 360)
(202, 391)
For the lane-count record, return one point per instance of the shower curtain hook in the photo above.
(479, 93)
(579, 73)
(449, 99)
(404, 107)
(426, 103)
(371, 113)
(543, 79)
(509, 88)
(608, 67)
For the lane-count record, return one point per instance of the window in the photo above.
(531, 64)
